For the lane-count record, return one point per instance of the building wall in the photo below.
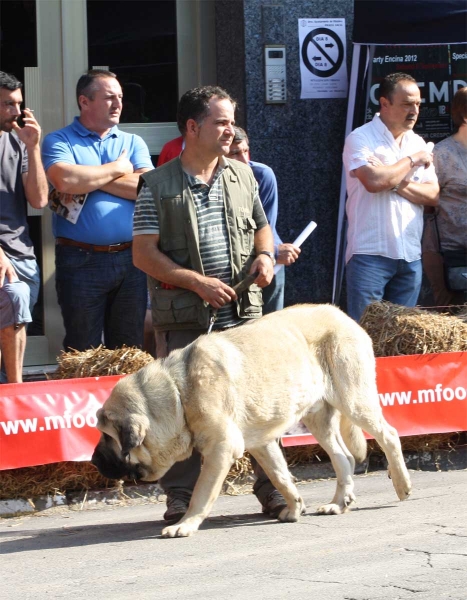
(301, 140)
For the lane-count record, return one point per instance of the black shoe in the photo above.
(274, 504)
(176, 508)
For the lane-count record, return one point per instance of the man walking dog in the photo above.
(199, 229)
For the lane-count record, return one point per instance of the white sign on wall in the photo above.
(323, 67)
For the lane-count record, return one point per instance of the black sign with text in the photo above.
(439, 71)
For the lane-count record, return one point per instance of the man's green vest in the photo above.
(178, 226)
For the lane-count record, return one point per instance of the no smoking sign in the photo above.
(322, 52)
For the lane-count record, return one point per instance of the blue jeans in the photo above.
(371, 278)
(100, 293)
(273, 294)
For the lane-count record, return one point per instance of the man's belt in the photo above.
(92, 247)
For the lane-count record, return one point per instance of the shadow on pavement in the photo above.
(114, 533)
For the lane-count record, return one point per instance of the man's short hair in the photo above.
(87, 85)
(194, 104)
(9, 82)
(389, 84)
(459, 107)
(240, 136)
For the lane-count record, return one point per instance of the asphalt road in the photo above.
(384, 549)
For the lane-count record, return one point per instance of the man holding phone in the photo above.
(22, 179)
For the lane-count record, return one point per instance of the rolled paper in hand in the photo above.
(299, 240)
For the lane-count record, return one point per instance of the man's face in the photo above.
(103, 110)
(240, 151)
(10, 107)
(216, 131)
(401, 112)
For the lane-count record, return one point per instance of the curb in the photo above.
(439, 460)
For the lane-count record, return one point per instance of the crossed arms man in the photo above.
(377, 177)
(118, 178)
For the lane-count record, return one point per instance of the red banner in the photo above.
(50, 421)
(53, 421)
(420, 393)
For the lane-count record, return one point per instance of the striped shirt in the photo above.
(214, 243)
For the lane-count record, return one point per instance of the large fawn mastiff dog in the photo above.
(241, 390)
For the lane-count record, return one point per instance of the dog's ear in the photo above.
(132, 432)
(102, 418)
(106, 419)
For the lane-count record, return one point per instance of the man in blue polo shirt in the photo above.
(94, 168)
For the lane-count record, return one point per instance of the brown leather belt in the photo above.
(92, 247)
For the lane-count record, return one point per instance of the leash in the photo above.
(240, 287)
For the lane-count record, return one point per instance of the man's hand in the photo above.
(124, 164)
(6, 269)
(30, 134)
(263, 264)
(83, 179)
(377, 177)
(287, 254)
(422, 158)
(214, 291)
(148, 258)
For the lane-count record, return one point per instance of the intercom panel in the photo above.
(275, 75)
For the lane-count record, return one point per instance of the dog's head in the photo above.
(122, 436)
(143, 429)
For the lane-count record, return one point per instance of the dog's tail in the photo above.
(354, 439)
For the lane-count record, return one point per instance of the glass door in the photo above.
(139, 44)
(157, 48)
(154, 49)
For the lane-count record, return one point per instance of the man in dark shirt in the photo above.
(22, 180)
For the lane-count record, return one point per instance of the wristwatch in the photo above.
(412, 164)
(271, 256)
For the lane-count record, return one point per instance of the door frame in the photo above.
(62, 56)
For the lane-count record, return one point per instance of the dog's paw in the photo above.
(288, 516)
(179, 530)
(292, 516)
(402, 485)
(334, 508)
(331, 509)
(404, 490)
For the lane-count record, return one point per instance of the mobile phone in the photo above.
(20, 119)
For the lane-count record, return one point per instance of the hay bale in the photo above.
(462, 313)
(56, 478)
(30, 482)
(66, 477)
(98, 362)
(397, 330)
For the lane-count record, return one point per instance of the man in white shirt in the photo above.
(390, 178)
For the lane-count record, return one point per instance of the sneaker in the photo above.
(274, 504)
(176, 508)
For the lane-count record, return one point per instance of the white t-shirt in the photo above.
(382, 223)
